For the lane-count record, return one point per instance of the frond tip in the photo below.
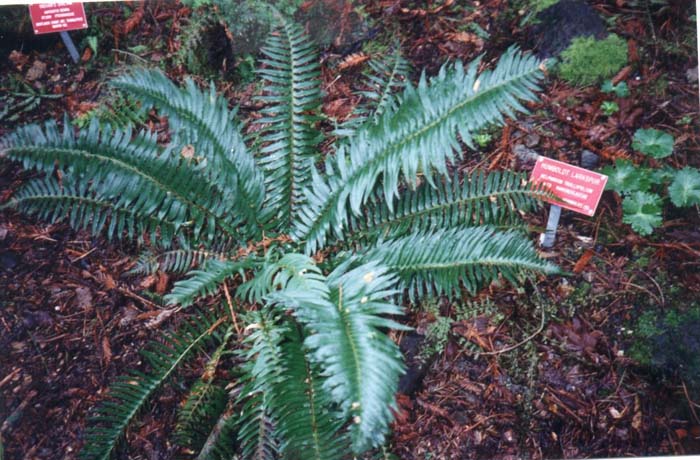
(132, 391)
(344, 326)
(440, 262)
(419, 137)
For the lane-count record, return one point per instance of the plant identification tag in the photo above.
(57, 17)
(578, 189)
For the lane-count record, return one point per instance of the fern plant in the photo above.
(313, 261)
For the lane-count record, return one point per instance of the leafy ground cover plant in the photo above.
(642, 188)
(588, 61)
(318, 258)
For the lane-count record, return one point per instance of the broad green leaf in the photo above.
(652, 142)
(642, 211)
(626, 178)
(685, 188)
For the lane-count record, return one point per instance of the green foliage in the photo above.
(667, 343)
(625, 177)
(128, 395)
(387, 216)
(685, 188)
(609, 108)
(642, 211)
(653, 142)
(250, 21)
(587, 61)
(437, 335)
(642, 188)
(117, 110)
(620, 90)
(21, 99)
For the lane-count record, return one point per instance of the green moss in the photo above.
(588, 61)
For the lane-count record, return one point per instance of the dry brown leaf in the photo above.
(162, 284)
(106, 350)
(353, 60)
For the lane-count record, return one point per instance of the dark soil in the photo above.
(544, 372)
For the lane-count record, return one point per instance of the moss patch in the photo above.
(588, 61)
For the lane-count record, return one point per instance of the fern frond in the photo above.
(262, 368)
(205, 403)
(134, 172)
(132, 391)
(221, 445)
(204, 121)
(420, 137)
(360, 363)
(385, 79)
(308, 421)
(173, 260)
(495, 198)
(441, 261)
(298, 270)
(207, 280)
(85, 209)
(292, 92)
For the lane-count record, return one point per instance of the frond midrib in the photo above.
(503, 261)
(398, 219)
(147, 177)
(151, 387)
(87, 201)
(381, 155)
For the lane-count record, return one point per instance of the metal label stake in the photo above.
(70, 46)
(550, 234)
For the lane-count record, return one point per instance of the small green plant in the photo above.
(436, 336)
(642, 188)
(314, 261)
(653, 142)
(609, 108)
(117, 109)
(668, 344)
(483, 139)
(620, 90)
(588, 61)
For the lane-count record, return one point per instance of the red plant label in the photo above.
(57, 17)
(578, 188)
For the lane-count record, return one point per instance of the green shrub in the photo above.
(315, 369)
(588, 61)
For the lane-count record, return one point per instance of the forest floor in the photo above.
(545, 370)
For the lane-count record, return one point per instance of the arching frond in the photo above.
(131, 392)
(292, 269)
(420, 137)
(361, 365)
(207, 280)
(205, 403)
(133, 172)
(386, 78)
(292, 92)
(85, 209)
(308, 421)
(496, 198)
(173, 260)
(262, 368)
(441, 261)
(203, 120)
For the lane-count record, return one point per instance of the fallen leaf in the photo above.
(106, 350)
(353, 60)
(583, 260)
(162, 284)
(36, 71)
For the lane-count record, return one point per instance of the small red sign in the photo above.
(578, 188)
(57, 17)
